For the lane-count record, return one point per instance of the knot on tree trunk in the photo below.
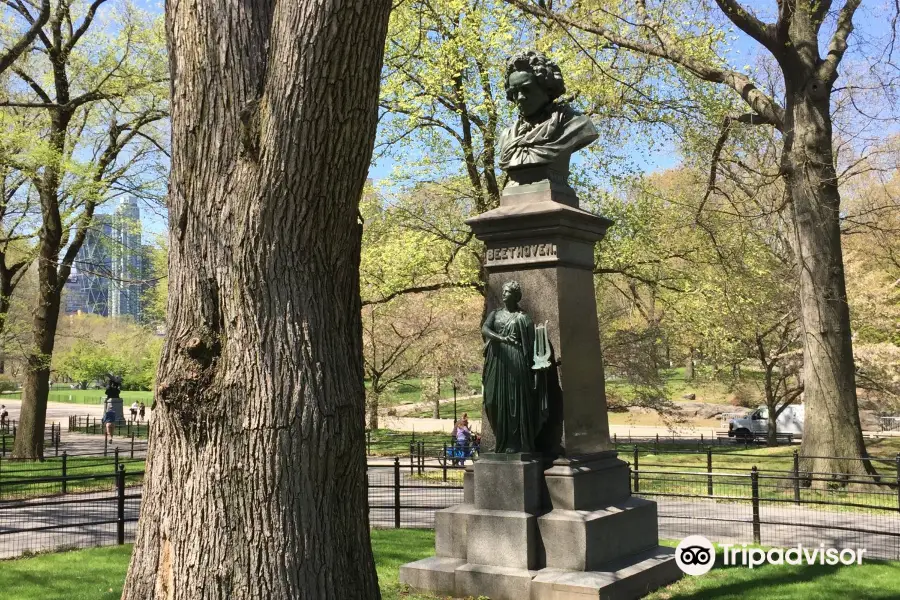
(187, 386)
(250, 130)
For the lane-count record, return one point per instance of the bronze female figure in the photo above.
(515, 402)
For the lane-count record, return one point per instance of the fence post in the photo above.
(132, 444)
(120, 494)
(898, 481)
(421, 457)
(657, 443)
(709, 478)
(411, 459)
(397, 492)
(105, 443)
(117, 459)
(754, 490)
(637, 478)
(444, 462)
(65, 457)
(3, 436)
(615, 442)
(796, 477)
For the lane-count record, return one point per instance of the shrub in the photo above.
(743, 396)
(7, 384)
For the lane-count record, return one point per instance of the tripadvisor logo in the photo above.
(696, 555)
(798, 555)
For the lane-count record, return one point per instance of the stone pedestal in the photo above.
(560, 525)
(116, 405)
(539, 237)
(576, 534)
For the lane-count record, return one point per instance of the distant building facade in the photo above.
(109, 275)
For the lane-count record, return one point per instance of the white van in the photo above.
(757, 423)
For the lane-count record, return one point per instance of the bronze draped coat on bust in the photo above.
(564, 131)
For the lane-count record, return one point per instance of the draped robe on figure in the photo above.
(515, 407)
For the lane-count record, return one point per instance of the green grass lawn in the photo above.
(706, 388)
(387, 442)
(409, 391)
(472, 407)
(12, 472)
(99, 574)
(86, 396)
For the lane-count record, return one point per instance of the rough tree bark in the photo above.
(256, 482)
(29, 441)
(832, 426)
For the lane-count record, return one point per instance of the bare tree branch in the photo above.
(16, 50)
(761, 103)
(425, 288)
(838, 45)
(763, 33)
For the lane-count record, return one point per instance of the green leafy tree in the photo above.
(156, 297)
(86, 362)
(102, 96)
(685, 37)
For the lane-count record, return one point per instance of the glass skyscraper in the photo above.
(109, 272)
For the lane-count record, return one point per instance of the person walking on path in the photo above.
(134, 411)
(4, 416)
(109, 422)
(142, 410)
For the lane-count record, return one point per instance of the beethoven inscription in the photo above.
(521, 252)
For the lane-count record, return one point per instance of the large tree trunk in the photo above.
(29, 443)
(256, 483)
(689, 366)
(372, 402)
(436, 410)
(832, 426)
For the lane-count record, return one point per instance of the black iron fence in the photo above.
(757, 504)
(889, 423)
(66, 474)
(717, 439)
(52, 434)
(123, 427)
(775, 509)
(103, 516)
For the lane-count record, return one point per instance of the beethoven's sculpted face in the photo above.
(527, 93)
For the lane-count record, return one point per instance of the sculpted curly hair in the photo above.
(514, 288)
(545, 71)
